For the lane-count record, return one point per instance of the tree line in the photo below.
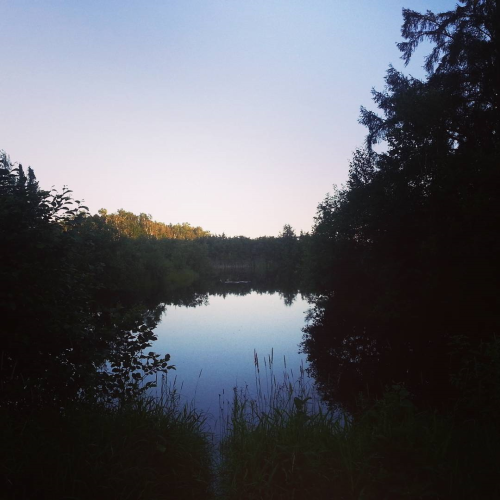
(143, 225)
(405, 254)
(77, 289)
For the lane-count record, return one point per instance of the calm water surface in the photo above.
(212, 346)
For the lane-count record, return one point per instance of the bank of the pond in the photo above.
(146, 449)
(280, 447)
(389, 450)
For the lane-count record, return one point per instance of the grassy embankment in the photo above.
(148, 449)
(280, 443)
(285, 445)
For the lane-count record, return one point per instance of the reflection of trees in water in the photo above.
(237, 284)
(288, 297)
(350, 353)
(124, 359)
(188, 298)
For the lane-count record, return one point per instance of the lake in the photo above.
(213, 345)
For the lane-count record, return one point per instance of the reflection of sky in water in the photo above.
(219, 340)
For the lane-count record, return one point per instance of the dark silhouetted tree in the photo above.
(409, 245)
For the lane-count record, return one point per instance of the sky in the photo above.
(234, 115)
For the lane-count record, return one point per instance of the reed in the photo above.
(280, 442)
(277, 439)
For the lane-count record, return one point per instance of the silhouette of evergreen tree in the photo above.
(409, 246)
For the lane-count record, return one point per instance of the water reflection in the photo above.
(350, 354)
(213, 345)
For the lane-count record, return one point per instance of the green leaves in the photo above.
(62, 335)
(408, 245)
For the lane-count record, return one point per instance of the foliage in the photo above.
(55, 336)
(43, 293)
(75, 364)
(477, 379)
(143, 225)
(276, 259)
(145, 449)
(284, 447)
(409, 245)
(277, 443)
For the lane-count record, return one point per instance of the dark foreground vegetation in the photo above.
(402, 273)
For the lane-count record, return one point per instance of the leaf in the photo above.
(161, 447)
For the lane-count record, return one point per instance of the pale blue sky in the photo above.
(235, 115)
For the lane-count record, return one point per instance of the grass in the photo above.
(282, 444)
(277, 441)
(149, 449)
